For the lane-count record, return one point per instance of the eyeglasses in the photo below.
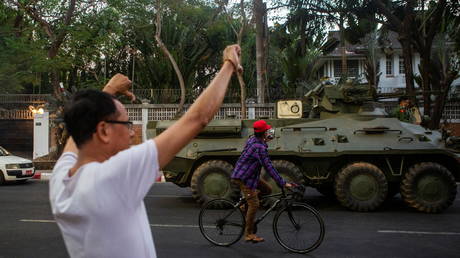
(128, 124)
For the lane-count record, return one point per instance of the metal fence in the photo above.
(24, 98)
(16, 114)
(452, 112)
(157, 112)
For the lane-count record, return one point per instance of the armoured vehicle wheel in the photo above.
(288, 171)
(428, 187)
(211, 180)
(361, 186)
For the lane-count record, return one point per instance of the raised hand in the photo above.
(119, 84)
(232, 54)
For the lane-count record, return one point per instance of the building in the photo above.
(390, 62)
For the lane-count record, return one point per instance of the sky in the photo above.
(271, 14)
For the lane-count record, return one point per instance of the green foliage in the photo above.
(299, 68)
(115, 36)
(21, 57)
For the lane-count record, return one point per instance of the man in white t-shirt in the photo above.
(99, 183)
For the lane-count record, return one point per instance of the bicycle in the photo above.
(297, 226)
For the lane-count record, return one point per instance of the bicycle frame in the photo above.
(282, 198)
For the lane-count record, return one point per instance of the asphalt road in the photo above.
(27, 228)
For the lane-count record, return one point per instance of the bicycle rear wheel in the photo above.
(221, 223)
(298, 228)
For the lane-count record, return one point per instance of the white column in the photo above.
(41, 135)
(145, 120)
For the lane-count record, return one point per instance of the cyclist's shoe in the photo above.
(253, 238)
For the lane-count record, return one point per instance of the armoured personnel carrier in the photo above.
(347, 148)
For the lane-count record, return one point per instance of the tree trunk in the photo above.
(242, 87)
(57, 92)
(447, 77)
(426, 84)
(171, 59)
(239, 75)
(265, 56)
(259, 13)
(438, 109)
(408, 70)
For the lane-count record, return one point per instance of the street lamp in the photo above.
(36, 110)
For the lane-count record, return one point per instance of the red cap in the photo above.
(261, 126)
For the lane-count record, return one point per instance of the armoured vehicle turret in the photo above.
(346, 147)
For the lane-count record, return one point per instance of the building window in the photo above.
(389, 65)
(352, 68)
(401, 65)
(337, 68)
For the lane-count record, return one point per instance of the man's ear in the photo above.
(103, 131)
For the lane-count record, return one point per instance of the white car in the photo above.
(14, 168)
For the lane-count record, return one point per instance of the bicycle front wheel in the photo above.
(299, 228)
(221, 223)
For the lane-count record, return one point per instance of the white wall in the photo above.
(396, 80)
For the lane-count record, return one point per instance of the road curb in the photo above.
(161, 178)
(43, 175)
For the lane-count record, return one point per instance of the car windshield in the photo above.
(4, 152)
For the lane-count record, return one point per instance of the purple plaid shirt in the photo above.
(253, 157)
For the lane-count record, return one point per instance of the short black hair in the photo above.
(86, 109)
(403, 98)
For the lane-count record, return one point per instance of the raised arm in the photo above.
(172, 140)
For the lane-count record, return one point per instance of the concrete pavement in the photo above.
(45, 175)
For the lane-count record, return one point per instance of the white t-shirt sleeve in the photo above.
(60, 171)
(132, 172)
(65, 162)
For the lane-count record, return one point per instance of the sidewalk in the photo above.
(45, 175)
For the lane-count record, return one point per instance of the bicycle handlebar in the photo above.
(295, 189)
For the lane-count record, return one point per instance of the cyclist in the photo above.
(247, 174)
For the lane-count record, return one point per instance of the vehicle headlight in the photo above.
(12, 166)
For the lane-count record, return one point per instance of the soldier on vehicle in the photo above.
(406, 112)
(99, 183)
(247, 174)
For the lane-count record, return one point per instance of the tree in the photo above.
(55, 22)
(417, 24)
(21, 57)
